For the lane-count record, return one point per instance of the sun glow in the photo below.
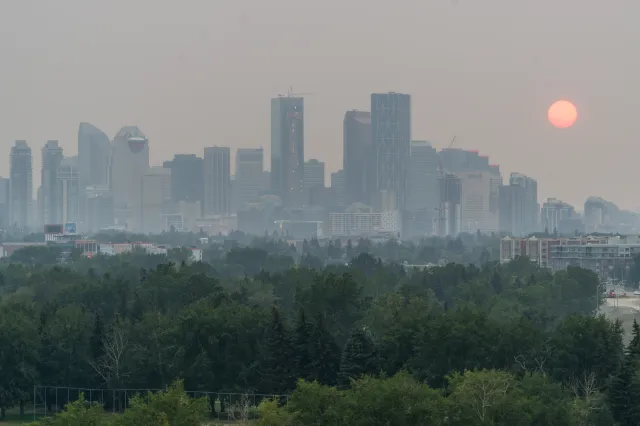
(562, 114)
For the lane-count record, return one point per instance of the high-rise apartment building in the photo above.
(455, 160)
(156, 199)
(423, 191)
(5, 189)
(600, 215)
(313, 177)
(129, 162)
(358, 157)
(187, 178)
(391, 129)
(69, 189)
(338, 190)
(98, 208)
(423, 177)
(479, 201)
(50, 195)
(287, 149)
(449, 221)
(249, 183)
(217, 181)
(553, 213)
(529, 220)
(519, 208)
(94, 156)
(21, 186)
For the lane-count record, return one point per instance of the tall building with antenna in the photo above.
(287, 149)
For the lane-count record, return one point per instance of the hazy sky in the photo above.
(196, 73)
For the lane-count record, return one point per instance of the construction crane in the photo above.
(290, 94)
(440, 162)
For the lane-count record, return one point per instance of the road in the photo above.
(630, 301)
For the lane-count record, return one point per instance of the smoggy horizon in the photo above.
(201, 73)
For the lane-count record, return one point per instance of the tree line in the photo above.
(351, 342)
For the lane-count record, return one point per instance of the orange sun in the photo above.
(562, 114)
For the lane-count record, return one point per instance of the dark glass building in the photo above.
(287, 149)
(187, 178)
(358, 155)
(391, 129)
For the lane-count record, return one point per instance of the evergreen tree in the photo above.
(633, 413)
(624, 390)
(301, 341)
(350, 250)
(96, 337)
(633, 350)
(275, 365)
(359, 357)
(496, 282)
(324, 355)
(621, 393)
(137, 310)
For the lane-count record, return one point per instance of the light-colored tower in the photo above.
(51, 195)
(130, 161)
(249, 182)
(156, 199)
(21, 185)
(68, 180)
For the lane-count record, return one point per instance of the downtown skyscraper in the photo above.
(249, 177)
(391, 129)
(94, 156)
(287, 149)
(69, 190)
(358, 157)
(21, 185)
(50, 200)
(519, 208)
(217, 181)
(187, 178)
(129, 162)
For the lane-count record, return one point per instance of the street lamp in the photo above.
(599, 295)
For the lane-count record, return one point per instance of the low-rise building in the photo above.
(7, 249)
(607, 256)
(196, 254)
(364, 223)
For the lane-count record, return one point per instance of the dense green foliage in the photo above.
(373, 342)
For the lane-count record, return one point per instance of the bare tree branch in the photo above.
(110, 366)
(241, 410)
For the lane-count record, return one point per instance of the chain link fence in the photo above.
(224, 407)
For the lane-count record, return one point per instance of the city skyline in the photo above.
(194, 74)
(445, 153)
(417, 190)
(83, 132)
